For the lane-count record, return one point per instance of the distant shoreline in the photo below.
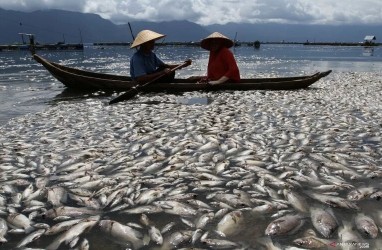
(16, 47)
(197, 44)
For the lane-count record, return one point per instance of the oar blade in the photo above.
(124, 97)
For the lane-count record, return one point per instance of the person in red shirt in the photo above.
(222, 65)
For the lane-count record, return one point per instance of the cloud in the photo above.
(211, 11)
(31, 5)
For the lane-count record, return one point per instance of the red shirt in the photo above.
(222, 63)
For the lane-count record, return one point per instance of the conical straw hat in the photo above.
(146, 36)
(206, 42)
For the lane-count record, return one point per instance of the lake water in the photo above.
(251, 156)
(25, 86)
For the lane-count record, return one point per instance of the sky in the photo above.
(206, 12)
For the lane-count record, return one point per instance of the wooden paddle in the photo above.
(136, 89)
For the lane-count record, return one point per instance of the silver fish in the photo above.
(121, 234)
(148, 209)
(3, 230)
(30, 238)
(333, 201)
(296, 200)
(203, 220)
(166, 228)
(61, 226)
(176, 239)
(312, 242)
(220, 244)
(285, 225)
(70, 212)
(196, 235)
(57, 196)
(177, 208)
(324, 221)
(73, 232)
(20, 221)
(366, 225)
(361, 193)
(231, 223)
(155, 235)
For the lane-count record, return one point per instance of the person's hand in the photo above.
(188, 62)
(166, 71)
(213, 82)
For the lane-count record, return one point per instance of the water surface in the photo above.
(25, 86)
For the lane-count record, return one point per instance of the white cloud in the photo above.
(215, 11)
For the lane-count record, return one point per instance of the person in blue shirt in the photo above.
(145, 66)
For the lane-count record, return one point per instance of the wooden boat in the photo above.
(85, 80)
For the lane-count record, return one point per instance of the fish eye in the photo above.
(299, 242)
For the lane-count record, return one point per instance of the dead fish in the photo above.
(234, 200)
(177, 208)
(196, 235)
(30, 238)
(147, 209)
(334, 201)
(296, 200)
(121, 234)
(323, 221)
(3, 230)
(203, 220)
(69, 212)
(176, 239)
(285, 225)
(366, 225)
(57, 196)
(88, 202)
(231, 223)
(27, 192)
(61, 226)
(148, 196)
(311, 242)
(167, 227)
(220, 167)
(220, 244)
(377, 195)
(20, 221)
(361, 193)
(200, 205)
(73, 232)
(155, 235)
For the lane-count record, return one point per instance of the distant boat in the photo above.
(256, 44)
(37, 46)
(236, 42)
(57, 46)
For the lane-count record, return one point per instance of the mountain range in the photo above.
(52, 26)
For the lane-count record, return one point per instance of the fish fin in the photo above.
(3, 240)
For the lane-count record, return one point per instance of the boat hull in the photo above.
(85, 80)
